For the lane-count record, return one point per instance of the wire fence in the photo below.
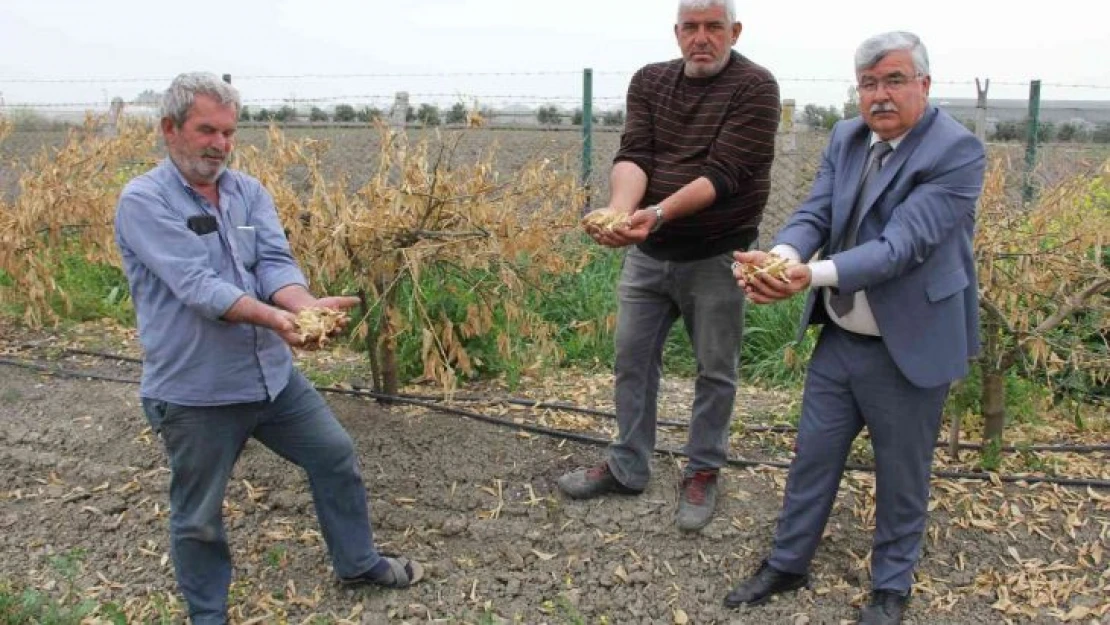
(311, 105)
(494, 89)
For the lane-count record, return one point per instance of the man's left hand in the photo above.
(337, 302)
(639, 227)
(766, 289)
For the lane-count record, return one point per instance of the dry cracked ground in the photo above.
(83, 513)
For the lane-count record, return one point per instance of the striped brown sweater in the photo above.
(722, 127)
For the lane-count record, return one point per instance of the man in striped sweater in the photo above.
(692, 174)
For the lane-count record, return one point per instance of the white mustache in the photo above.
(884, 107)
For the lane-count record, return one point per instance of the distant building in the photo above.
(513, 115)
(1087, 113)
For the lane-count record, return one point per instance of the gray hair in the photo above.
(873, 50)
(698, 5)
(184, 89)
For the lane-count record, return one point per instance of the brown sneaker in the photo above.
(697, 500)
(594, 481)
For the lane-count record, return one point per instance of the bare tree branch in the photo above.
(996, 314)
(1072, 305)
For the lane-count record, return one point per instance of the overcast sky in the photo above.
(538, 48)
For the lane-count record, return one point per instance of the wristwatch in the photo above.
(658, 217)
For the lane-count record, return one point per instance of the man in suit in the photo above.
(893, 212)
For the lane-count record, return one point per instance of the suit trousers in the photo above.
(203, 444)
(653, 294)
(852, 382)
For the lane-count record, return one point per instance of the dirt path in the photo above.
(83, 510)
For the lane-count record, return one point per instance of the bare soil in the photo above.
(83, 512)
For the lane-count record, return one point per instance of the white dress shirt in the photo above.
(823, 274)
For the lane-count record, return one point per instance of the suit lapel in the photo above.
(897, 159)
(854, 157)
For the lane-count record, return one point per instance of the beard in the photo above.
(199, 168)
(706, 70)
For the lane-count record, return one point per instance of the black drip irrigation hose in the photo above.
(784, 429)
(535, 403)
(532, 403)
(736, 462)
(518, 401)
(65, 373)
(85, 352)
(593, 440)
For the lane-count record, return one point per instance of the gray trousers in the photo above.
(852, 382)
(652, 296)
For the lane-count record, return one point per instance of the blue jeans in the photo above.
(653, 294)
(203, 444)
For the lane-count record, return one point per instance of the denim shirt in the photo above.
(182, 283)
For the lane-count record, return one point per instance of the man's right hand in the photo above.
(246, 309)
(615, 235)
(285, 324)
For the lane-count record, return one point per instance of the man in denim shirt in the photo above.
(216, 290)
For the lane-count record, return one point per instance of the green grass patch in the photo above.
(1026, 399)
(770, 355)
(20, 606)
(94, 291)
(584, 310)
(580, 309)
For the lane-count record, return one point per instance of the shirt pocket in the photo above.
(215, 249)
(247, 240)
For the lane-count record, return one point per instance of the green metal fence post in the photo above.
(1031, 139)
(587, 130)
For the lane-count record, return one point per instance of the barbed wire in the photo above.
(337, 76)
(388, 100)
(291, 77)
(461, 97)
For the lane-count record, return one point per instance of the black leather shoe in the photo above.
(886, 608)
(766, 583)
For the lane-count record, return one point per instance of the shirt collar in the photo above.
(893, 142)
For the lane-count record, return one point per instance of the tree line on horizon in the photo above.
(425, 114)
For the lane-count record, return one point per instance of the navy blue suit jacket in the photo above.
(914, 254)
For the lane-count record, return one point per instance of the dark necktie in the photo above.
(842, 303)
